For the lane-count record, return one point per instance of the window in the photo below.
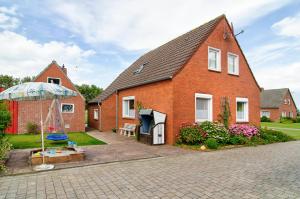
(291, 114)
(289, 102)
(265, 113)
(285, 101)
(203, 107)
(96, 114)
(233, 64)
(283, 114)
(53, 80)
(128, 107)
(67, 108)
(214, 59)
(242, 114)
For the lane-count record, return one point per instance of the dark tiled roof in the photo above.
(272, 98)
(161, 63)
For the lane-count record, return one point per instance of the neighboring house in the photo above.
(186, 78)
(73, 109)
(276, 103)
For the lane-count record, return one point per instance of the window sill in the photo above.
(242, 122)
(127, 117)
(232, 74)
(214, 70)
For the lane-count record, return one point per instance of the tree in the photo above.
(7, 81)
(89, 91)
(5, 117)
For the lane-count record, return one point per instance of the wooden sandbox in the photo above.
(52, 156)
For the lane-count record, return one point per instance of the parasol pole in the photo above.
(42, 129)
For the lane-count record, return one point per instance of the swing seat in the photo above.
(57, 137)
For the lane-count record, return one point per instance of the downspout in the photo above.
(117, 109)
(100, 116)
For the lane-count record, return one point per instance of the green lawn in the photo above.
(34, 141)
(292, 130)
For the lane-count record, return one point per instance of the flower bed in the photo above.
(214, 135)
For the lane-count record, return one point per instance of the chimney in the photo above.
(64, 69)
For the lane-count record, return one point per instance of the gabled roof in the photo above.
(65, 75)
(273, 98)
(161, 63)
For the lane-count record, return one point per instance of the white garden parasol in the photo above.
(37, 91)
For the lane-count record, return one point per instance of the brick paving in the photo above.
(270, 171)
(118, 148)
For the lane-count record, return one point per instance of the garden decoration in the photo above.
(37, 91)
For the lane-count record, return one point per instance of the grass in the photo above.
(26, 141)
(292, 129)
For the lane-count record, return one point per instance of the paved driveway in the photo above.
(271, 171)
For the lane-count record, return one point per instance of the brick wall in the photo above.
(29, 111)
(274, 113)
(288, 107)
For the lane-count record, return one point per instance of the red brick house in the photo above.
(186, 78)
(73, 109)
(276, 103)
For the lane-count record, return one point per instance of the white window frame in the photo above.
(218, 59)
(123, 105)
(96, 114)
(289, 102)
(61, 106)
(246, 114)
(210, 107)
(236, 63)
(283, 114)
(54, 78)
(261, 114)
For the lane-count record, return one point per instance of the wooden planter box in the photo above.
(61, 158)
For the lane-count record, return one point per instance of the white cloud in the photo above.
(289, 26)
(21, 57)
(8, 19)
(140, 24)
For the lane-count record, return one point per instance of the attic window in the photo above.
(140, 69)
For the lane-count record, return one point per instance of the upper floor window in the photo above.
(233, 64)
(242, 110)
(53, 80)
(214, 59)
(203, 106)
(128, 107)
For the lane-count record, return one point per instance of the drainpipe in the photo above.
(99, 116)
(117, 109)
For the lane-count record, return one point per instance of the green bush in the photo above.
(238, 139)
(191, 135)
(271, 136)
(216, 131)
(32, 128)
(212, 143)
(286, 120)
(297, 119)
(265, 119)
(5, 147)
(5, 117)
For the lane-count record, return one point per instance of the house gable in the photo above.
(53, 70)
(196, 78)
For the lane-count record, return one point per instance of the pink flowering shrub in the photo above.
(243, 129)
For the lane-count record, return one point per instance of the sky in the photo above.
(96, 39)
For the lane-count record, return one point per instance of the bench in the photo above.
(128, 129)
